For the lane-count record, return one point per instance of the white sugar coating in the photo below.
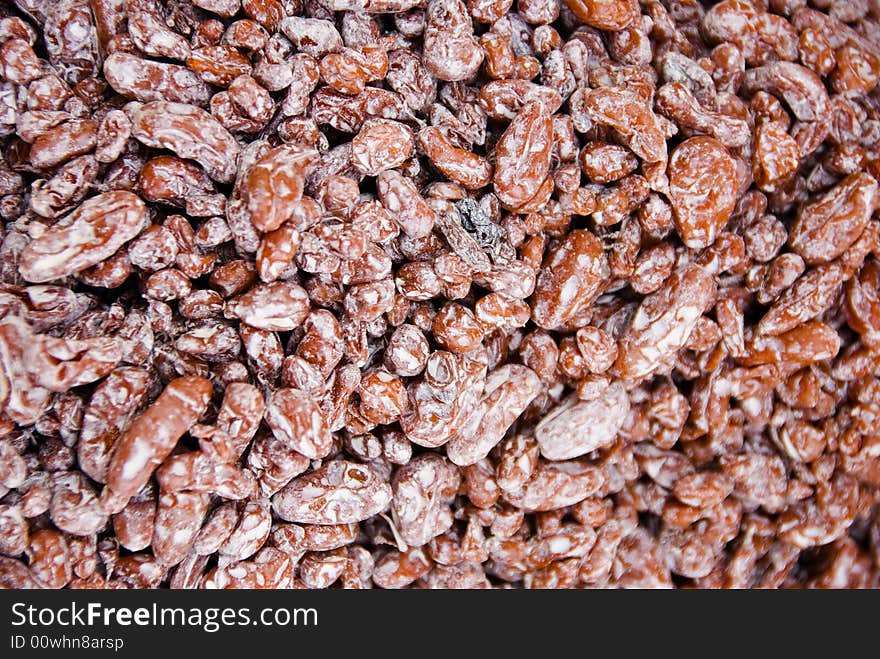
(573, 295)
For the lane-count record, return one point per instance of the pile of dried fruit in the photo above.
(311, 293)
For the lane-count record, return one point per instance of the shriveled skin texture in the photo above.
(579, 427)
(190, 133)
(108, 413)
(277, 306)
(381, 144)
(663, 322)
(506, 395)
(93, 232)
(340, 492)
(605, 14)
(701, 188)
(827, 227)
(422, 490)
(295, 419)
(152, 436)
(631, 117)
(451, 51)
(522, 156)
(439, 294)
(145, 80)
(275, 185)
(571, 277)
(465, 168)
(72, 40)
